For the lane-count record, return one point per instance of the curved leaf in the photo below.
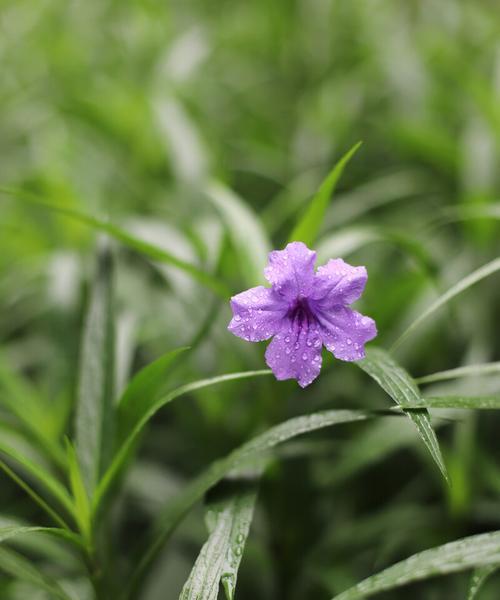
(461, 555)
(149, 250)
(310, 223)
(467, 371)
(479, 577)
(250, 451)
(123, 452)
(400, 386)
(464, 284)
(245, 231)
(20, 568)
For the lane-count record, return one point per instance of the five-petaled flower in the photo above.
(304, 310)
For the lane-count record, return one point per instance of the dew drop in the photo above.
(237, 318)
(297, 346)
(287, 339)
(238, 551)
(349, 341)
(239, 538)
(304, 356)
(287, 350)
(309, 343)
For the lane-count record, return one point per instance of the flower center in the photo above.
(300, 311)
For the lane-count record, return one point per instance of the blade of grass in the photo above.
(94, 411)
(245, 231)
(7, 533)
(140, 246)
(478, 578)
(464, 284)
(149, 409)
(468, 402)
(20, 568)
(461, 555)
(80, 497)
(142, 391)
(308, 226)
(467, 371)
(228, 521)
(402, 389)
(34, 496)
(252, 450)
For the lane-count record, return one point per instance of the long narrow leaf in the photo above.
(250, 451)
(308, 227)
(94, 427)
(19, 567)
(151, 409)
(464, 284)
(245, 230)
(478, 579)
(149, 250)
(467, 371)
(403, 390)
(142, 391)
(470, 402)
(228, 521)
(7, 533)
(464, 554)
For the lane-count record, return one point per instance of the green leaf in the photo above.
(22, 400)
(307, 229)
(81, 499)
(7, 533)
(464, 284)
(253, 450)
(142, 391)
(461, 555)
(352, 239)
(467, 371)
(19, 567)
(94, 411)
(469, 402)
(149, 250)
(228, 521)
(245, 230)
(151, 409)
(46, 480)
(402, 389)
(478, 578)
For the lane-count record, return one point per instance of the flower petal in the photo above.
(291, 271)
(295, 353)
(345, 332)
(258, 313)
(338, 283)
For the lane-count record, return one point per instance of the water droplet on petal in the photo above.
(304, 356)
(349, 341)
(287, 350)
(309, 343)
(237, 318)
(239, 538)
(287, 339)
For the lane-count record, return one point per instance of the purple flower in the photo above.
(304, 310)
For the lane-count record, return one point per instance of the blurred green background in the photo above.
(125, 109)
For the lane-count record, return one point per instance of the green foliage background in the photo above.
(203, 128)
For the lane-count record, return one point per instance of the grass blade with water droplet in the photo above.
(253, 450)
(461, 555)
(403, 390)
